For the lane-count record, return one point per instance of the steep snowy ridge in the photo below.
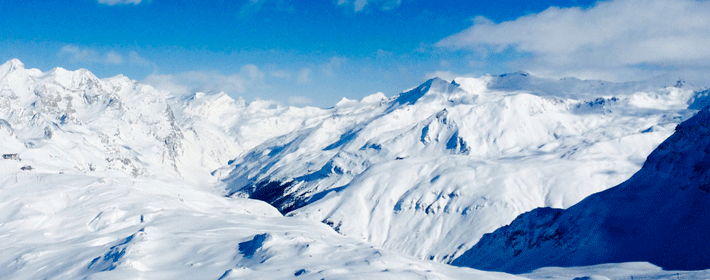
(659, 215)
(110, 179)
(431, 170)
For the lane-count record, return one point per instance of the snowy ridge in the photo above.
(428, 172)
(659, 216)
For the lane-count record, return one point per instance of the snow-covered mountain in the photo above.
(660, 215)
(83, 123)
(431, 170)
(110, 179)
(72, 120)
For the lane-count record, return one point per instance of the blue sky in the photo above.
(316, 52)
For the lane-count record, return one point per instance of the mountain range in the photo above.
(113, 179)
(428, 172)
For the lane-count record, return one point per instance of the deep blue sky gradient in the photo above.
(381, 50)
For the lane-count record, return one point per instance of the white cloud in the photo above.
(333, 65)
(119, 2)
(359, 5)
(87, 55)
(113, 58)
(78, 54)
(252, 73)
(135, 59)
(424, 48)
(281, 74)
(250, 77)
(622, 39)
(299, 100)
(304, 76)
(380, 53)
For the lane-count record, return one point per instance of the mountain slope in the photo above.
(112, 226)
(431, 170)
(659, 215)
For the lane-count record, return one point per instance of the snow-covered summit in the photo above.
(432, 88)
(11, 65)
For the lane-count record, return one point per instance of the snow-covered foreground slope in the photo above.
(428, 172)
(73, 226)
(110, 179)
(660, 215)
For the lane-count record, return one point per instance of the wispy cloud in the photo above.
(304, 76)
(78, 54)
(249, 77)
(380, 54)
(333, 65)
(119, 2)
(299, 100)
(135, 59)
(281, 74)
(612, 39)
(360, 5)
(113, 58)
(88, 55)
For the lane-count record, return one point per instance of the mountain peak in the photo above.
(435, 85)
(73, 79)
(15, 64)
(11, 65)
